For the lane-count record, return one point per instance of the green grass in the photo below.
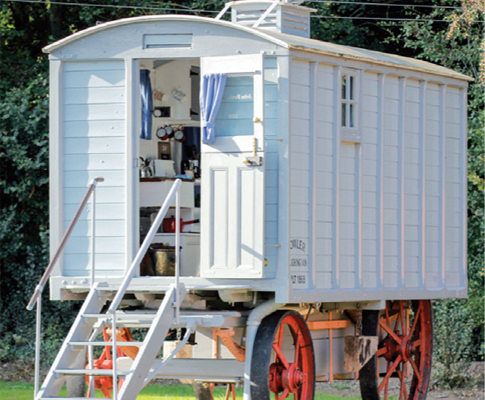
(24, 391)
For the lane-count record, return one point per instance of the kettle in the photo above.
(145, 169)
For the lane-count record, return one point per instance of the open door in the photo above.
(232, 209)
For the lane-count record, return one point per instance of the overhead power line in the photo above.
(62, 3)
(386, 19)
(379, 4)
(214, 12)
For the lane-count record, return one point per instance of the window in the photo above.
(349, 102)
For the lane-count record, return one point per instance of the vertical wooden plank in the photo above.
(401, 184)
(312, 195)
(442, 186)
(380, 181)
(358, 191)
(283, 175)
(132, 76)
(358, 216)
(463, 193)
(422, 183)
(336, 178)
(56, 161)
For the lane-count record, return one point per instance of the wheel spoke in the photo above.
(390, 332)
(417, 343)
(401, 315)
(279, 334)
(280, 355)
(416, 370)
(407, 320)
(416, 318)
(285, 394)
(298, 350)
(389, 372)
(386, 391)
(402, 393)
(381, 351)
(401, 376)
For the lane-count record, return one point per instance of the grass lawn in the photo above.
(24, 391)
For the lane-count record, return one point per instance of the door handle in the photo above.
(254, 161)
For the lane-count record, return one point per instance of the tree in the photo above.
(462, 23)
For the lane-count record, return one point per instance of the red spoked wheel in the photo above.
(282, 360)
(405, 331)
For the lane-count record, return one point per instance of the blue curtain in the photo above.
(147, 104)
(210, 100)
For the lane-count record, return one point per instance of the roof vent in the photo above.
(277, 16)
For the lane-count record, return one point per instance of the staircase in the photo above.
(90, 321)
(84, 331)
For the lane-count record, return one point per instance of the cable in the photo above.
(386, 19)
(61, 3)
(213, 12)
(379, 4)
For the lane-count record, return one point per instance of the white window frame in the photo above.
(351, 100)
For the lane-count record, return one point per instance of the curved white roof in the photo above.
(284, 40)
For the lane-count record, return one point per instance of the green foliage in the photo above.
(24, 218)
(453, 341)
(327, 26)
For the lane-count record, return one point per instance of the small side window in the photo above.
(349, 102)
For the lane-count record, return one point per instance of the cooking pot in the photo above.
(168, 224)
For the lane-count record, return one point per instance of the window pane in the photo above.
(351, 78)
(344, 87)
(235, 115)
(351, 115)
(344, 114)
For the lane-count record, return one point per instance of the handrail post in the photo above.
(37, 345)
(91, 386)
(114, 355)
(93, 236)
(177, 255)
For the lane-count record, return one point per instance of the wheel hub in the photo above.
(393, 349)
(407, 348)
(281, 378)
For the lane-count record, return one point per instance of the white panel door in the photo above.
(232, 209)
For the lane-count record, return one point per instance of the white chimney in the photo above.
(277, 16)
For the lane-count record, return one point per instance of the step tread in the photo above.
(86, 371)
(118, 343)
(69, 398)
(120, 316)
